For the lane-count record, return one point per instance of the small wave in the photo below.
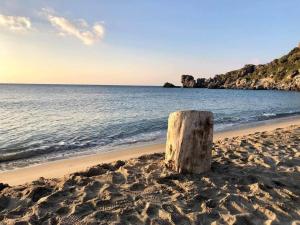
(110, 135)
(266, 116)
(269, 114)
(231, 121)
(227, 119)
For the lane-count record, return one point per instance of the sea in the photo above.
(40, 123)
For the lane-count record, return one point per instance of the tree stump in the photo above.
(189, 141)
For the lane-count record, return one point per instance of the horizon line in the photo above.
(70, 84)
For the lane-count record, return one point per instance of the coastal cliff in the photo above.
(280, 74)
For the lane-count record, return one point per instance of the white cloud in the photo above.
(99, 29)
(15, 23)
(80, 29)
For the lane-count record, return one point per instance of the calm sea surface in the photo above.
(48, 122)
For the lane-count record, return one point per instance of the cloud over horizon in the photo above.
(15, 23)
(79, 29)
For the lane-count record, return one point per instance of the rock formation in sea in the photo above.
(169, 85)
(280, 74)
(188, 81)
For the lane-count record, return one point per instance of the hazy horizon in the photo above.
(78, 84)
(139, 43)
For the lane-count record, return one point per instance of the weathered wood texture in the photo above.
(189, 141)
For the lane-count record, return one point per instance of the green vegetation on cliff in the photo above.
(280, 74)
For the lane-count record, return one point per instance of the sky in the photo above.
(140, 42)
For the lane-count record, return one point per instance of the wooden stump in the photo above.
(189, 141)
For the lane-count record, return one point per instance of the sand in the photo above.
(60, 168)
(254, 179)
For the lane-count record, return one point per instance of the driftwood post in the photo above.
(189, 141)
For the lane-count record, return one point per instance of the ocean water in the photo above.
(48, 122)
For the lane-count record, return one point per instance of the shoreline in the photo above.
(60, 168)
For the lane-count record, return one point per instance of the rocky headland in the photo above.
(280, 74)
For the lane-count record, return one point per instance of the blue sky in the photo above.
(141, 42)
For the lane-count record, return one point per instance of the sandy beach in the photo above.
(254, 179)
